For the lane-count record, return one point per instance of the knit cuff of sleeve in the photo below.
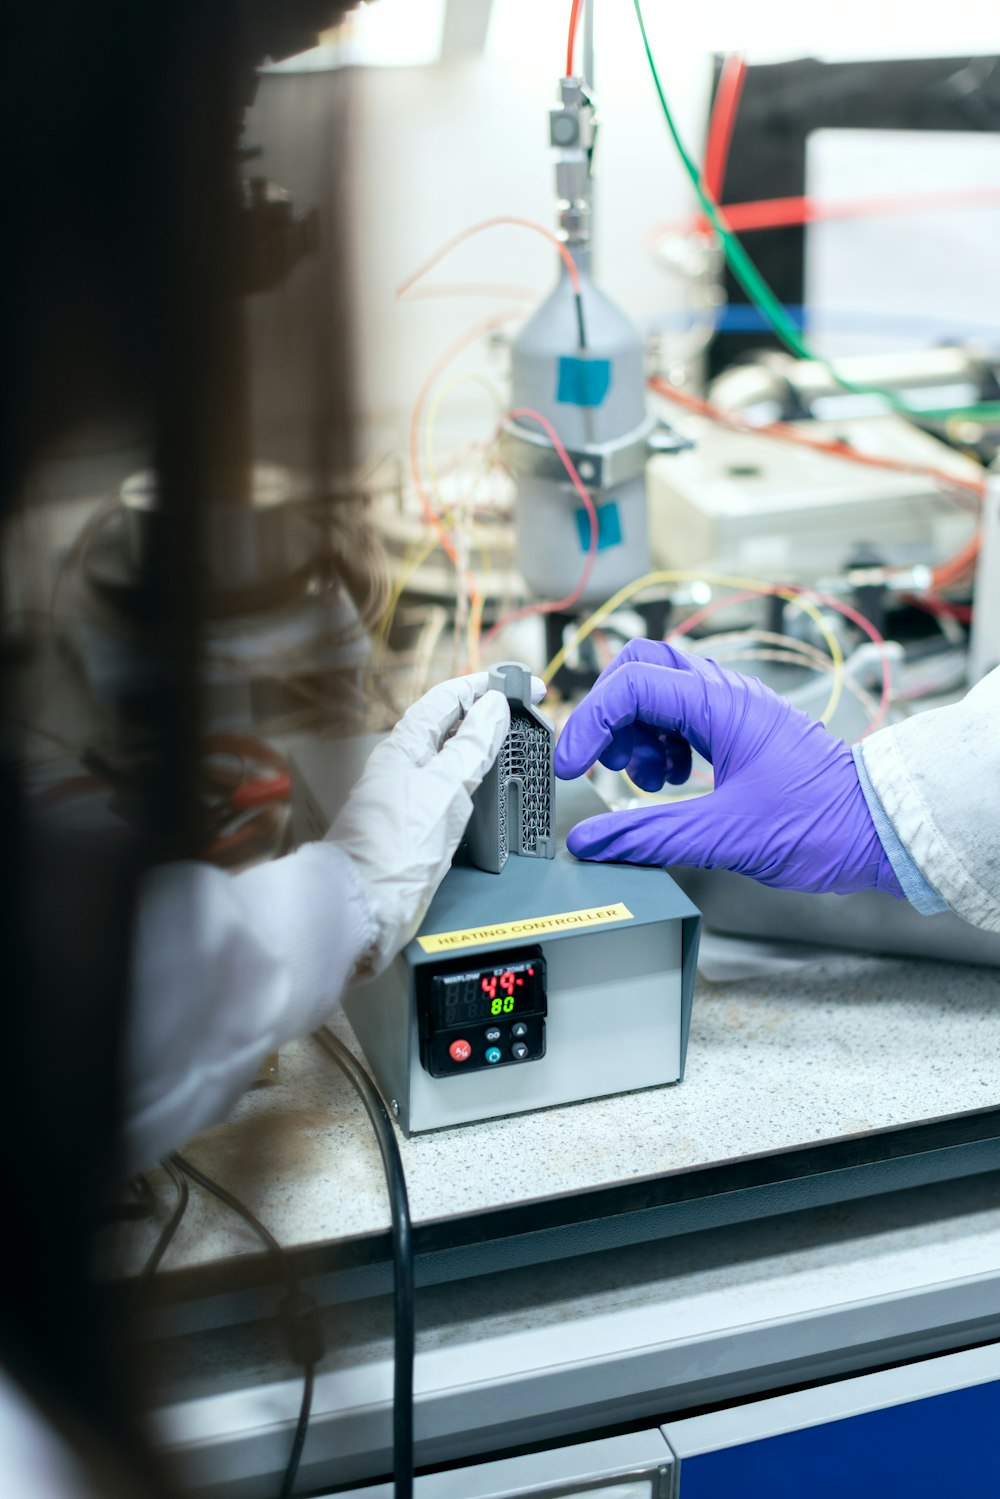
(918, 890)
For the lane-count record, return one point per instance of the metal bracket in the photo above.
(602, 465)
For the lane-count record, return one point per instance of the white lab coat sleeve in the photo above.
(226, 969)
(35, 1462)
(937, 777)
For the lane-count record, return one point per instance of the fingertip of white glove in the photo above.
(476, 742)
(488, 720)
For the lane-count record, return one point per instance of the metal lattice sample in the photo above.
(513, 812)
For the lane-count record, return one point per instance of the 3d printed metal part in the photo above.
(513, 810)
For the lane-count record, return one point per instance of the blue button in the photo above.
(493, 1053)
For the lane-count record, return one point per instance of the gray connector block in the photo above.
(513, 812)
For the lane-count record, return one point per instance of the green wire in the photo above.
(742, 267)
(985, 411)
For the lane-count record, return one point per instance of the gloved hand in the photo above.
(405, 818)
(788, 808)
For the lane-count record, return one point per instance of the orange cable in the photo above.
(785, 433)
(498, 220)
(946, 573)
(472, 289)
(774, 213)
(943, 576)
(574, 19)
(486, 325)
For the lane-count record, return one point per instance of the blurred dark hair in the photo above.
(120, 267)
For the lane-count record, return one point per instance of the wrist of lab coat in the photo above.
(227, 969)
(312, 910)
(918, 890)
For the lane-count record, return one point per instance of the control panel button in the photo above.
(519, 1050)
(493, 1034)
(460, 1051)
(519, 1030)
(493, 1054)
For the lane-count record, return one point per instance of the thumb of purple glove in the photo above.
(787, 809)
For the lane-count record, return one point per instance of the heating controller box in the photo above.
(551, 983)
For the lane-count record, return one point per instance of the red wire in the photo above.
(584, 493)
(775, 213)
(574, 17)
(931, 604)
(430, 514)
(721, 123)
(258, 793)
(785, 433)
(693, 620)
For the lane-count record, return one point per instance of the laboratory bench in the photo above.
(820, 1195)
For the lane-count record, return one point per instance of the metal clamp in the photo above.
(602, 465)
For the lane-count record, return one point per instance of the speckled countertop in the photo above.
(832, 1047)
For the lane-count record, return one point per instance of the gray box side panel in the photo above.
(383, 1018)
(689, 968)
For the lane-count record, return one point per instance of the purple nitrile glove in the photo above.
(787, 809)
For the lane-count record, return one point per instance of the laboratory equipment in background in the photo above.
(284, 640)
(772, 386)
(549, 983)
(579, 362)
(290, 576)
(787, 512)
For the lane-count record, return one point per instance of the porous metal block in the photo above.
(513, 809)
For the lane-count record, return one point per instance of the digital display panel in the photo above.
(494, 992)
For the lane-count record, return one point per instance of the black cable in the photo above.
(263, 1233)
(580, 330)
(402, 1252)
(166, 1234)
(301, 1429)
(298, 1312)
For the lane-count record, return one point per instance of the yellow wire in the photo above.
(477, 604)
(419, 553)
(719, 580)
(432, 411)
(475, 630)
(415, 560)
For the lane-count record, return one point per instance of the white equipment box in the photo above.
(741, 502)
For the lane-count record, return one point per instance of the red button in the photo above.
(460, 1051)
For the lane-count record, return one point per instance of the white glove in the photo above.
(404, 820)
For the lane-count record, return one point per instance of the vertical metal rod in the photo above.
(588, 78)
(588, 43)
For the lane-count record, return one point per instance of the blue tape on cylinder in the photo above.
(609, 527)
(583, 382)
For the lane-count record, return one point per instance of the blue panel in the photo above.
(609, 527)
(946, 1447)
(583, 382)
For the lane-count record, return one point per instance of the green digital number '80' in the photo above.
(502, 1006)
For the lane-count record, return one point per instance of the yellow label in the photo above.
(530, 927)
